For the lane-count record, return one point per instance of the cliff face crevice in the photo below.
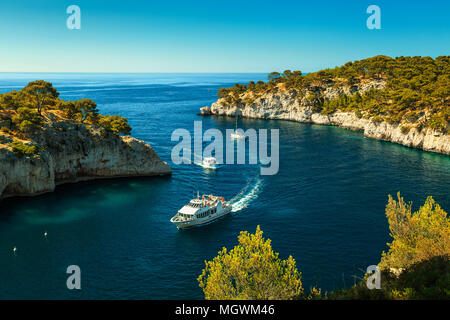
(290, 105)
(75, 152)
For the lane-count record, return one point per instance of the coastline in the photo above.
(430, 141)
(82, 180)
(74, 154)
(284, 106)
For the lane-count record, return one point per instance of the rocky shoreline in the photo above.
(70, 152)
(285, 105)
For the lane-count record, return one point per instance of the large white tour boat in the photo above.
(200, 211)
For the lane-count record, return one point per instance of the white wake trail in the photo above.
(246, 196)
(198, 160)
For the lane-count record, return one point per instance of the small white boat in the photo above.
(210, 163)
(200, 211)
(236, 135)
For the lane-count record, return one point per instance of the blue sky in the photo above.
(214, 36)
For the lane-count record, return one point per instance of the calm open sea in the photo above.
(325, 207)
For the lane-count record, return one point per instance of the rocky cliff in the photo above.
(71, 152)
(290, 105)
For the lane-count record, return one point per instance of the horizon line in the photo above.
(86, 72)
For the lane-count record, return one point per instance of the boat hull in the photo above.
(236, 136)
(202, 221)
(210, 166)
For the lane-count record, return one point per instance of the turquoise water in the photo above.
(325, 206)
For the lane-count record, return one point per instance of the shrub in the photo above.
(404, 129)
(27, 119)
(416, 235)
(412, 85)
(377, 119)
(5, 130)
(21, 149)
(438, 123)
(115, 124)
(427, 279)
(251, 270)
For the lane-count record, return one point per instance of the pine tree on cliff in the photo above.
(41, 93)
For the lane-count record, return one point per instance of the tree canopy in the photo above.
(417, 264)
(416, 235)
(30, 108)
(417, 89)
(41, 93)
(116, 124)
(251, 270)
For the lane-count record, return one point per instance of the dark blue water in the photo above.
(325, 206)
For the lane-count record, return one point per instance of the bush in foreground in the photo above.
(428, 279)
(250, 271)
(417, 235)
(417, 265)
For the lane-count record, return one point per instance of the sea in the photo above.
(325, 206)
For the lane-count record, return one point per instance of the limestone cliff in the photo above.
(290, 105)
(71, 152)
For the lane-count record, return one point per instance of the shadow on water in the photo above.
(72, 201)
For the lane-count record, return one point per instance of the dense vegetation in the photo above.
(417, 265)
(417, 236)
(251, 270)
(416, 93)
(25, 112)
(427, 279)
(21, 149)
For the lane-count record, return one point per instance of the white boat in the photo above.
(200, 211)
(210, 163)
(237, 135)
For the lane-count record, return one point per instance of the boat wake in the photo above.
(197, 160)
(249, 193)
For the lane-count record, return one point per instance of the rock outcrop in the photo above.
(74, 152)
(289, 105)
(205, 111)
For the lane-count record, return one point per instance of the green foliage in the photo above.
(41, 93)
(27, 120)
(232, 95)
(377, 119)
(273, 75)
(251, 270)
(417, 265)
(427, 279)
(405, 129)
(71, 109)
(21, 149)
(415, 87)
(417, 235)
(87, 110)
(440, 121)
(115, 124)
(5, 130)
(25, 109)
(9, 100)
